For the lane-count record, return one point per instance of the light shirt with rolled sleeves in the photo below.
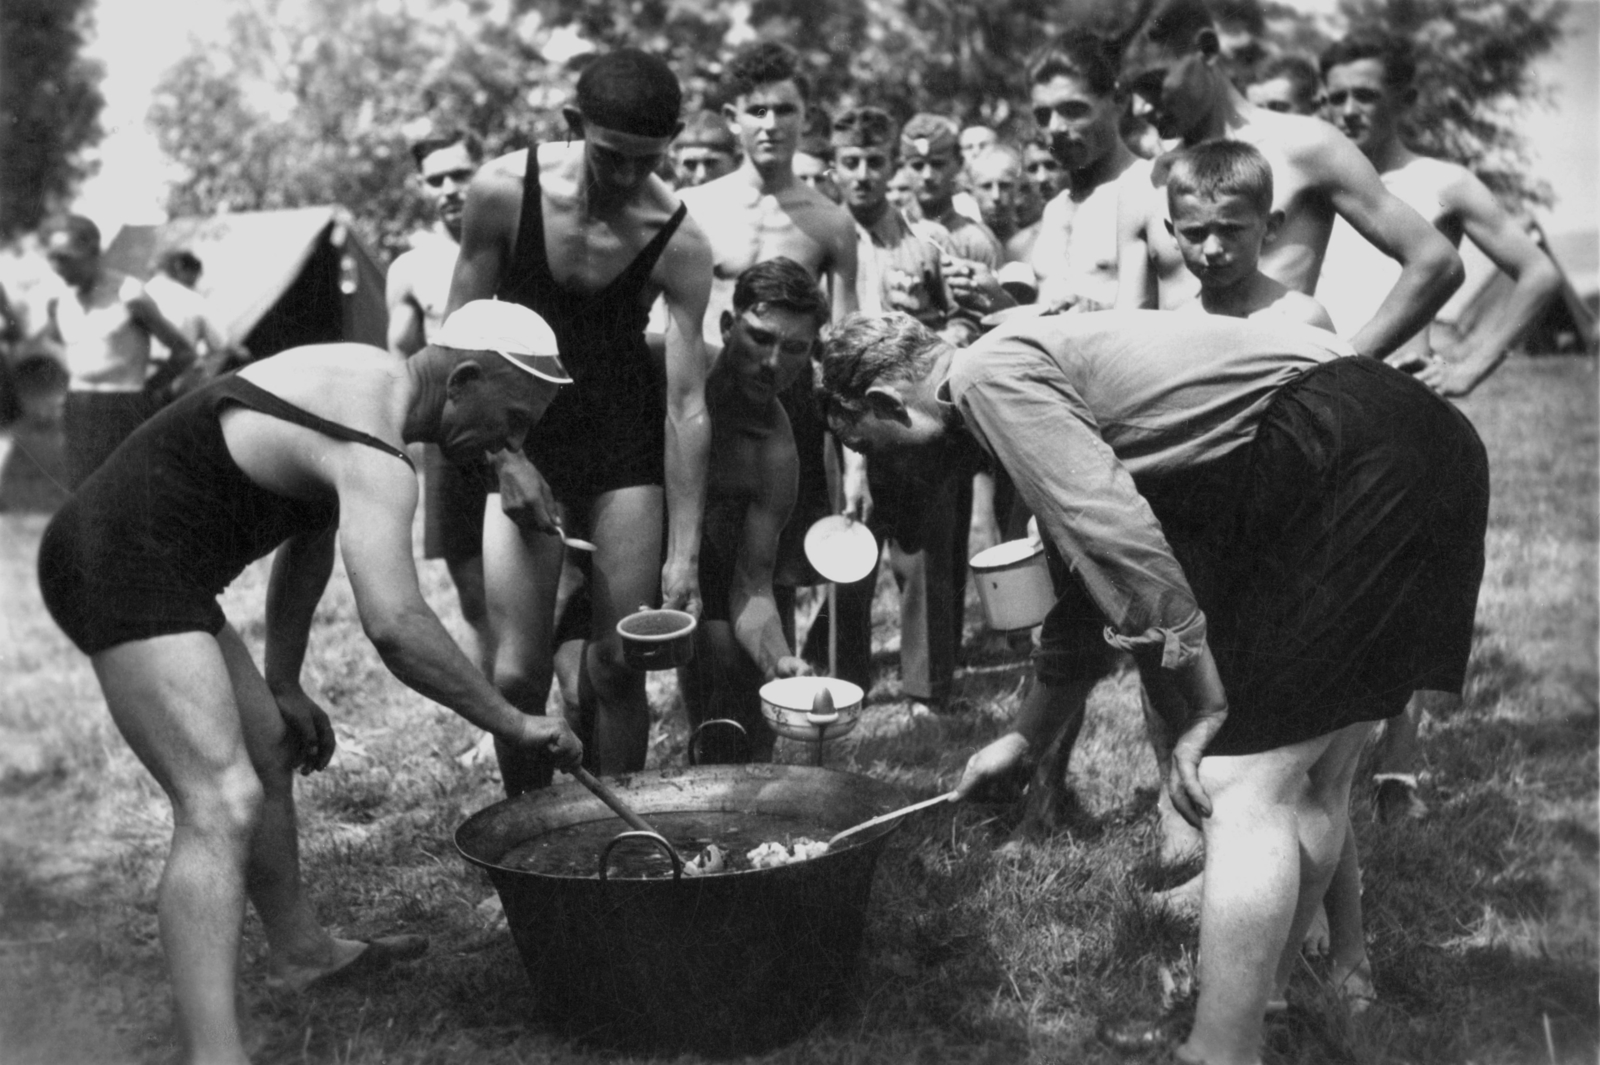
(1075, 406)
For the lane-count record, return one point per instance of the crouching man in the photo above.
(1290, 542)
(297, 450)
(768, 339)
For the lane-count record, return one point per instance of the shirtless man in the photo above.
(1288, 84)
(303, 449)
(1078, 111)
(768, 339)
(417, 290)
(1172, 65)
(1369, 89)
(761, 211)
(104, 323)
(705, 151)
(585, 233)
(1173, 68)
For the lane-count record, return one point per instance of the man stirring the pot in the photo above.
(768, 338)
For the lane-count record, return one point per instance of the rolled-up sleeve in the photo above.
(1026, 413)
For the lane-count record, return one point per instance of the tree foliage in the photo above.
(50, 106)
(313, 101)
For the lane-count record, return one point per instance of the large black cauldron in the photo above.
(722, 964)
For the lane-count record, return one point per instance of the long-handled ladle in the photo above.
(892, 815)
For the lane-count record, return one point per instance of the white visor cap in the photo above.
(510, 330)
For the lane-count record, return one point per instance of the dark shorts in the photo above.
(95, 424)
(99, 606)
(1346, 575)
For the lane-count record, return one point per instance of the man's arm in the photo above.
(684, 274)
(1509, 246)
(143, 309)
(1135, 283)
(753, 609)
(300, 571)
(1430, 269)
(377, 500)
(405, 336)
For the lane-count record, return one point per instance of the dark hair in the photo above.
(870, 349)
(631, 92)
(1090, 57)
(866, 127)
(780, 282)
(764, 63)
(80, 230)
(1222, 168)
(1175, 24)
(437, 142)
(1395, 53)
(1298, 70)
(180, 259)
(710, 130)
(814, 138)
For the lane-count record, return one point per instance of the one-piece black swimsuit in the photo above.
(606, 430)
(153, 536)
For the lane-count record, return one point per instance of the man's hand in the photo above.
(1006, 757)
(974, 286)
(791, 666)
(1189, 797)
(857, 496)
(310, 733)
(551, 737)
(525, 496)
(680, 587)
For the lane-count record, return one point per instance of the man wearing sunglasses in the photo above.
(1174, 72)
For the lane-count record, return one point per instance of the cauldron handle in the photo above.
(694, 736)
(653, 837)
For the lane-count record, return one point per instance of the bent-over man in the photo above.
(769, 337)
(1288, 540)
(300, 449)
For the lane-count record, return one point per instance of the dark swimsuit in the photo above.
(606, 430)
(155, 534)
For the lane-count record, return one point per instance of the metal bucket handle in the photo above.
(694, 736)
(654, 837)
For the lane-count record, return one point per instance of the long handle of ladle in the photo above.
(833, 629)
(611, 799)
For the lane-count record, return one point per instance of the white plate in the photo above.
(842, 549)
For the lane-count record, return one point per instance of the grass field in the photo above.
(1481, 919)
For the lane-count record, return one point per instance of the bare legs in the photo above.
(478, 641)
(522, 573)
(198, 715)
(1274, 843)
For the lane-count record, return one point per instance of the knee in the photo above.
(525, 683)
(227, 805)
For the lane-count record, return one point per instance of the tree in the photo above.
(50, 106)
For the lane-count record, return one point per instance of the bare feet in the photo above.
(346, 958)
(1354, 985)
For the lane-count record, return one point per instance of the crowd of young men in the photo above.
(679, 433)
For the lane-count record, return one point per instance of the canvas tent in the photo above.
(274, 279)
